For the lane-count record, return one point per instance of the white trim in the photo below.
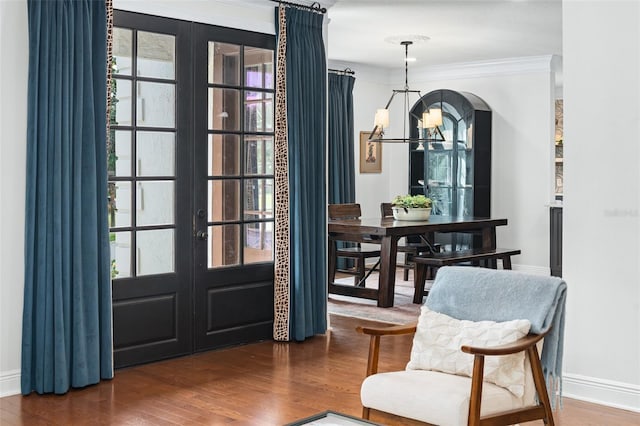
(492, 68)
(9, 383)
(625, 396)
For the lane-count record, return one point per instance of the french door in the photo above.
(190, 187)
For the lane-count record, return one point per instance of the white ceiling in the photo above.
(459, 31)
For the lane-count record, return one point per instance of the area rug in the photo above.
(403, 311)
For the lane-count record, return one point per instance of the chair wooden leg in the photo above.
(361, 272)
(407, 262)
(476, 391)
(365, 413)
(541, 387)
(419, 277)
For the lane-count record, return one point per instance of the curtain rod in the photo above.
(348, 71)
(315, 7)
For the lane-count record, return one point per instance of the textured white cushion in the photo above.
(437, 342)
(433, 397)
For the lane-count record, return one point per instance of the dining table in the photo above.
(387, 232)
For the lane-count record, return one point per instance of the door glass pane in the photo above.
(156, 104)
(156, 55)
(223, 248)
(155, 153)
(258, 67)
(258, 242)
(154, 252)
(119, 161)
(122, 94)
(224, 200)
(122, 48)
(120, 247)
(258, 199)
(155, 203)
(119, 204)
(224, 64)
(223, 109)
(258, 112)
(258, 155)
(224, 155)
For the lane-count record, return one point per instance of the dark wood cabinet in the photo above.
(453, 167)
(555, 239)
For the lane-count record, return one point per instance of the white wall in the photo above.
(13, 134)
(370, 92)
(601, 253)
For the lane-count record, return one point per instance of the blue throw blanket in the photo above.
(479, 294)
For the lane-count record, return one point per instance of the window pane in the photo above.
(258, 242)
(224, 155)
(120, 247)
(224, 245)
(258, 112)
(224, 64)
(155, 153)
(156, 104)
(122, 48)
(258, 199)
(156, 55)
(122, 95)
(155, 203)
(258, 155)
(119, 204)
(223, 110)
(119, 159)
(155, 252)
(224, 200)
(258, 67)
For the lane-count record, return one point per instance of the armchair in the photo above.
(438, 388)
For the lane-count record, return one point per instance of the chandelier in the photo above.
(428, 125)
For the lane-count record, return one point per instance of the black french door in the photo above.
(190, 187)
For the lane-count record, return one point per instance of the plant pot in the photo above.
(400, 213)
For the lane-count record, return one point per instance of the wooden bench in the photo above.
(475, 256)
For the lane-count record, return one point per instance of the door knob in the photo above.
(201, 235)
(201, 213)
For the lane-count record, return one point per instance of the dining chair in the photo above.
(411, 246)
(352, 248)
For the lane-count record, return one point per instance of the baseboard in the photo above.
(9, 383)
(625, 396)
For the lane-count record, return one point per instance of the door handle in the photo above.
(201, 235)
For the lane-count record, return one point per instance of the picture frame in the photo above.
(370, 154)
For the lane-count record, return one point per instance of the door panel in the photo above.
(149, 181)
(233, 265)
(190, 187)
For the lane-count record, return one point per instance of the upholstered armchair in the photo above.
(475, 357)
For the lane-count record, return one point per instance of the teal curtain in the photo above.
(306, 74)
(66, 333)
(342, 181)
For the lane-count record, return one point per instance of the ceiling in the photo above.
(459, 31)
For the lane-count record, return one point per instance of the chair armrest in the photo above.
(506, 349)
(388, 331)
(374, 342)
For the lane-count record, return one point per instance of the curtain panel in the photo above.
(342, 182)
(66, 337)
(306, 90)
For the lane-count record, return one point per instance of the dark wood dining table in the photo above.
(387, 232)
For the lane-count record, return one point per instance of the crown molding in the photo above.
(507, 66)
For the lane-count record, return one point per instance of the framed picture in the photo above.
(370, 155)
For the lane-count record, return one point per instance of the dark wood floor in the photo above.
(261, 384)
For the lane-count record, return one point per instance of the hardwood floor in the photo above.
(261, 384)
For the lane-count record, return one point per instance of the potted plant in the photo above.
(411, 207)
